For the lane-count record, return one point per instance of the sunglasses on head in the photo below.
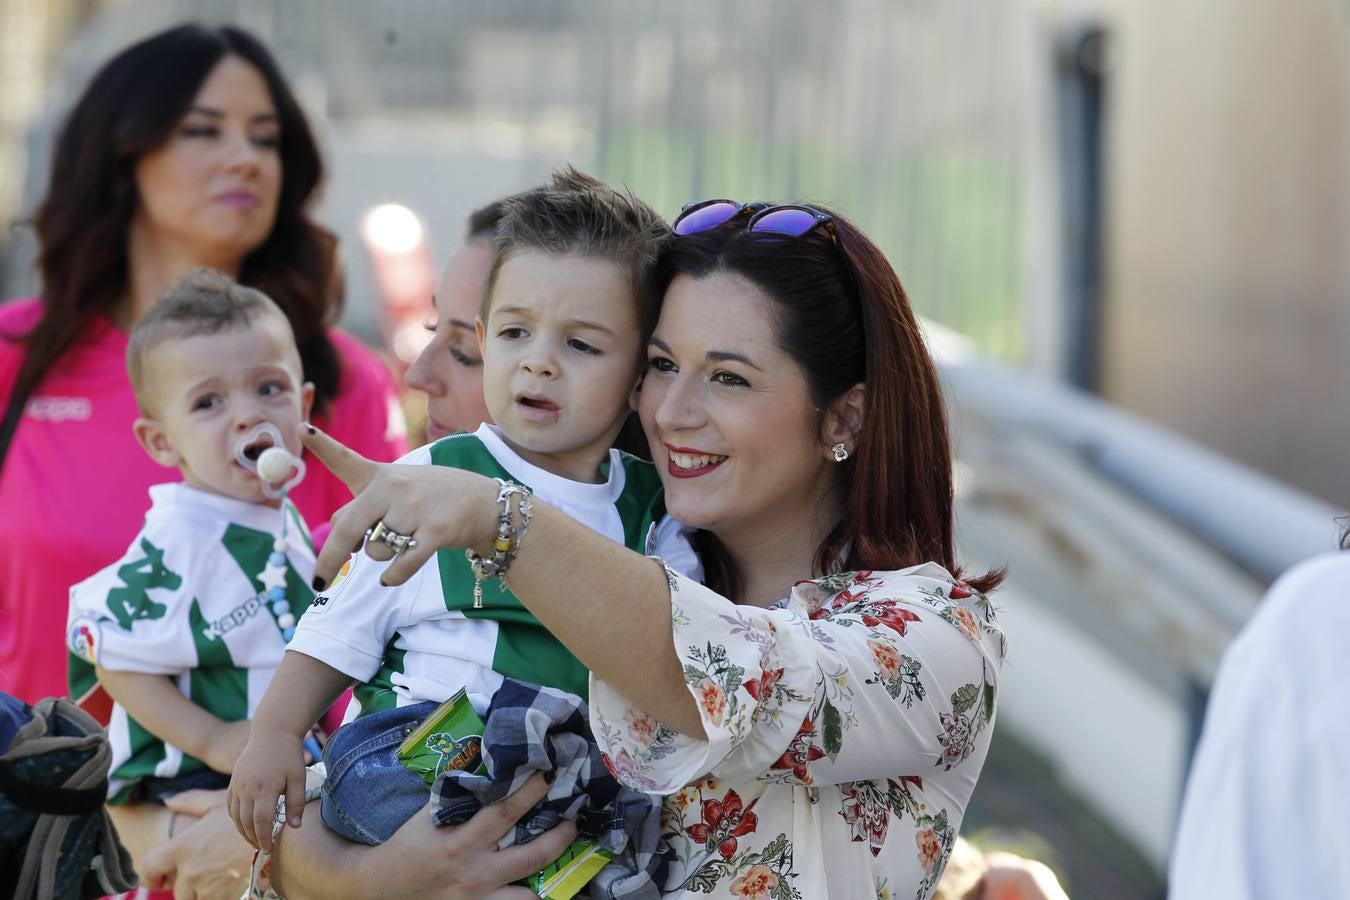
(765, 218)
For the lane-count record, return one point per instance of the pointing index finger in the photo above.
(353, 469)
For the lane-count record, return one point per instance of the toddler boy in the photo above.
(186, 629)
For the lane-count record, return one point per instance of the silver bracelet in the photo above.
(505, 544)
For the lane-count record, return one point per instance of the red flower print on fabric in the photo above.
(801, 752)
(890, 614)
(723, 822)
(763, 686)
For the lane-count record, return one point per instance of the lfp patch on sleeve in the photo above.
(322, 601)
(342, 573)
(83, 638)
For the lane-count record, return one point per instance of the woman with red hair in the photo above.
(817, 713)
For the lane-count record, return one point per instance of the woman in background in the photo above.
(187, 149)
(449, 370)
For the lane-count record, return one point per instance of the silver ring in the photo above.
(395, 540)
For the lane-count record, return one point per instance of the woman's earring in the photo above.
(840, 452)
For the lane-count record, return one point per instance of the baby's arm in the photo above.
(272, 763)
(156, 703)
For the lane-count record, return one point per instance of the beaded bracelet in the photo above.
(505, 544)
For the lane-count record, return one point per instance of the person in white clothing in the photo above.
(561, 328)
(1265, 812)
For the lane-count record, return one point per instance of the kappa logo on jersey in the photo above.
(83, 639)
(140, 576)
(214, 631)
(60, 409)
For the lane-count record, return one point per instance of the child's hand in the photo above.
(271, 765)
(226, 745)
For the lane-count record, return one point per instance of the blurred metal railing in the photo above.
(1134, 555)
(1261, 525)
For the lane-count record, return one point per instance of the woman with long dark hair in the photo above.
(187, 149)
(816, 714)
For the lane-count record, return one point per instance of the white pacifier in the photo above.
(273, 464)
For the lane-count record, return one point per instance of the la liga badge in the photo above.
(342, 574)
(84, 639)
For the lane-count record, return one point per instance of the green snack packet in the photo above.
(569, 873)
(451, 737)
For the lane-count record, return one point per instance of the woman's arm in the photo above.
(867, 675)
(420, 861)
(890, 674)
(608, 605)
(156, 703)
(614, 614)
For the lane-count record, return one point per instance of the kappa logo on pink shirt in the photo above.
(60, 409)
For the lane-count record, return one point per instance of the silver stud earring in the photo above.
(840, 452)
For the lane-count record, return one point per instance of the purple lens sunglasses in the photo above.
(789, 220)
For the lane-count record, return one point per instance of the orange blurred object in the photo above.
(405, 277)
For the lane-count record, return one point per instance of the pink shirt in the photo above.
(74, 487)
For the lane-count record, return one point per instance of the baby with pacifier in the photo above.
(186, 630)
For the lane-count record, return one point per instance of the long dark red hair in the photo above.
(130, 107)
(843, 315)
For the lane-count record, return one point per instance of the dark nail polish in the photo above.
(318, 583)
(549, 776)
(310, 429)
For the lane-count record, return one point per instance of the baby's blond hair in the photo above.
(203, 302)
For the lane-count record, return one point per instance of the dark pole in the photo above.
(1080, 75)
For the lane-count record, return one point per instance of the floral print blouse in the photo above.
(846, 728)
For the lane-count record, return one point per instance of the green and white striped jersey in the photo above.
(186, 601)
(423, 640)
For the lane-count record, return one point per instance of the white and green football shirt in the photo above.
(424, 640)
(186, 601)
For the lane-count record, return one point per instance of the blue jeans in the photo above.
(368, 793)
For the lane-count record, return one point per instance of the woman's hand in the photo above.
(206, 859)
(193, 804)
(438, 506)
(459, 862)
